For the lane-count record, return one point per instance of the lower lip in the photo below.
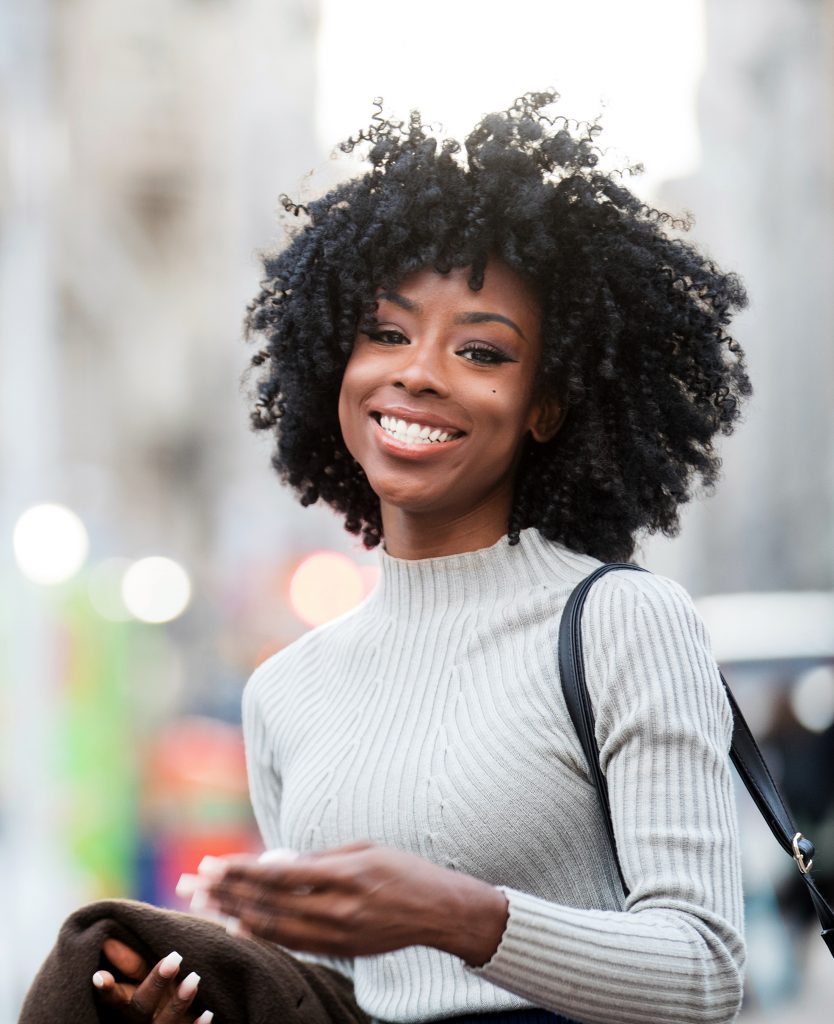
(411, 451)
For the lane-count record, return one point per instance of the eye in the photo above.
(486, 355)
(386, 336)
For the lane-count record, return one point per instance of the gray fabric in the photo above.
(431, 718)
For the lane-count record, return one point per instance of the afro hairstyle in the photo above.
(634, 345)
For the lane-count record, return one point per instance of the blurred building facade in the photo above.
(763, 201)
(144, 148)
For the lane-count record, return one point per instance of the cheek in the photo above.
(504, 416)
(351, 392)
(347, 390)
(342, 406)
(499, 405)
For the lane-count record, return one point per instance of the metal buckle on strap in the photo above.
(798, 855)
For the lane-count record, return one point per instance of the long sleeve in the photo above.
(675, 953)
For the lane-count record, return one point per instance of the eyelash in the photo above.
(473, 346)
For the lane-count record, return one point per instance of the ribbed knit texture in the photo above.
(430, 718)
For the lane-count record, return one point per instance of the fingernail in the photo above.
(200, 900)
(206, 1017)
(277, 855)
(213, 866)
(189, 986)
(189, 884)
(98, 979)
(234, 926)
(170, 965)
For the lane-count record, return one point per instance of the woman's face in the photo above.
(441, 357)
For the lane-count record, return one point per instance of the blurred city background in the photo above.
(151, 558)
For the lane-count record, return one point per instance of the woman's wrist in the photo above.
(474, 917)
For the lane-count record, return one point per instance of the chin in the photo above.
(413, 501)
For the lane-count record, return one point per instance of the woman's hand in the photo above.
(361, 899)
(157, 996)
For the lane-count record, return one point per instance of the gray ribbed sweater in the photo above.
(430, 718)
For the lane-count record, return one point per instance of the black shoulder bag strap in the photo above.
(744, 753)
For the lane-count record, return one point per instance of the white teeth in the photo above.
(413, 433)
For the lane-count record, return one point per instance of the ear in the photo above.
(546, 419)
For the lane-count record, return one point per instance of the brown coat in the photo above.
(243, 981)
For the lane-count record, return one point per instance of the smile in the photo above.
(415, 433)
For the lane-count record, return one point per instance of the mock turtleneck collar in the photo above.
(470, 575)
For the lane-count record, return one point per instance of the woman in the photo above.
(499, 370)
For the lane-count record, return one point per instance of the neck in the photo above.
(465, 579)
(410, 535)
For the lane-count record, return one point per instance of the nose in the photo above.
(421, 369)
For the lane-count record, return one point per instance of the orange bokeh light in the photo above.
(324, 585)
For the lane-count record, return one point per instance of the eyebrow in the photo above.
(463, 318)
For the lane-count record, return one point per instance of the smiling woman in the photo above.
(499, 370)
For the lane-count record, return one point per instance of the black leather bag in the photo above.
(744, 753)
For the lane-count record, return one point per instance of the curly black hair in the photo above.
(633, 320)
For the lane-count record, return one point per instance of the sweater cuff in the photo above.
(513, 950)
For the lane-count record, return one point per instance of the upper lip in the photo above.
(426, 419)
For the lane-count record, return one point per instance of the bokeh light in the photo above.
(812, 698)
(50, 544)
(370, 576)
(325, 584)
(156, 589)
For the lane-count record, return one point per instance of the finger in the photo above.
(359, 844)
(194, 889)
(277, 855)
(296, 932)
(187, 885)
(236, 898)
(172, 1012)
(125, 959)
(289, 875)
(236, 929)
(215, 867)
(157, 986)
(251, 914)
(111, 992)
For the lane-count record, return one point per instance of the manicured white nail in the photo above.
(98, 979)
(200, 900)
(189, 986)
(234, 926)
(277, 855)
(170, 965)
(189, 884)
(214, 867)
(206, 1017)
